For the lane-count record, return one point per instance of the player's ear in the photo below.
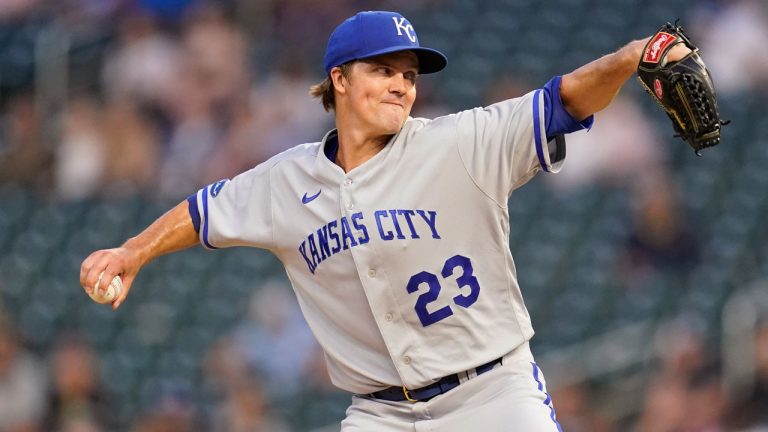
(339, 80)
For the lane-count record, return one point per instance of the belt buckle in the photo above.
(407, 396)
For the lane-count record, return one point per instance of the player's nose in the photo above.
(399, 84)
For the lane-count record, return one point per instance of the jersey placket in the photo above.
(377, 287)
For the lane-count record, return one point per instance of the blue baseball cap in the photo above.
(373, 33)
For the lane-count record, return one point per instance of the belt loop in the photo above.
(472, 373)
(463, 377)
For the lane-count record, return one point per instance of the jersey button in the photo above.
(372, 273)
(347, 182)
(407, 360)
(388, 316)
(350, 205)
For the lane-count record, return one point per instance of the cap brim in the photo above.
(430, 60)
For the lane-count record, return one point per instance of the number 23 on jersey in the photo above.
(466, 284)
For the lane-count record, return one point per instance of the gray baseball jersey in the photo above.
(401, 266)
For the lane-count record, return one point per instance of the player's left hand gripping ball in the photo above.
(108, 294)
(683, 88)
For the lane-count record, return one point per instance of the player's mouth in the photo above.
(400, 104)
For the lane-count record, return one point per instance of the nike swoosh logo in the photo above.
(306, 200)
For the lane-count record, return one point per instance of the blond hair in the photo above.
(324, 89)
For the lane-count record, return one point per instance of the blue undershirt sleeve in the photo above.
(557, 120)
(194, 213)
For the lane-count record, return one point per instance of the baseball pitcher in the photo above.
(394, 231)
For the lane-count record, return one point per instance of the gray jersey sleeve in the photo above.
(237, 212)
(503, 145)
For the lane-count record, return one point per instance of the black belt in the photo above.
(424, 394)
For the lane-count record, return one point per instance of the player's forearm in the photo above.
(593, 86)
(171, 232)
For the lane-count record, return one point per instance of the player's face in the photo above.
(381, 91)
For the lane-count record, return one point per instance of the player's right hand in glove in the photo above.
(682, 86)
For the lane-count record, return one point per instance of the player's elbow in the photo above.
(580, 100)
(572, 100)
(577, 112)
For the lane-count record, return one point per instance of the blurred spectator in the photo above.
(162, 422)
(83, 22)
(224, 365)
(132, 149)
(276, 340)
(14, 9)
(683, 376)
(22, 384)
(506, 87)
(297, 24)
(170, 11)
(240, 146)
(24, 157)
(170, 410)
(208, 98)
(245, 409)
(429, 103)
(683, 403)
(81, 15)
(81, 155)
(316, 377)
(681, 346)
(575, 413)
(76, 401)
(140, 78)
(621, 149)
(255, 18)
(242, 402)
(193, 139)
(664, 407)
(661, 238)
(735, 67)
(84, 28)
(285, 113)
(752, 413)
(705, 402)
(144, 65)
(216, 55)
(320, 402)
(269, 357)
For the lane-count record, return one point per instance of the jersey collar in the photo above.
(326, 168)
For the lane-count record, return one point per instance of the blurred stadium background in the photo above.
(642, 265)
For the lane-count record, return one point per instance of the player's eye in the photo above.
(411, 76)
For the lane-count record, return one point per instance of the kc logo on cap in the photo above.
(369, 34)
(408, 29)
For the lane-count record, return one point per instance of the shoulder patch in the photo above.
(216, 187)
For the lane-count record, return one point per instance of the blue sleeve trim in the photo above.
(557, 119)
(194, 213)
(205, 223)
(537, 131)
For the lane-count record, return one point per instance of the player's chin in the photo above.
(392, 122)
(393, 127)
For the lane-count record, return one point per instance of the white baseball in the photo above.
(110, 293)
